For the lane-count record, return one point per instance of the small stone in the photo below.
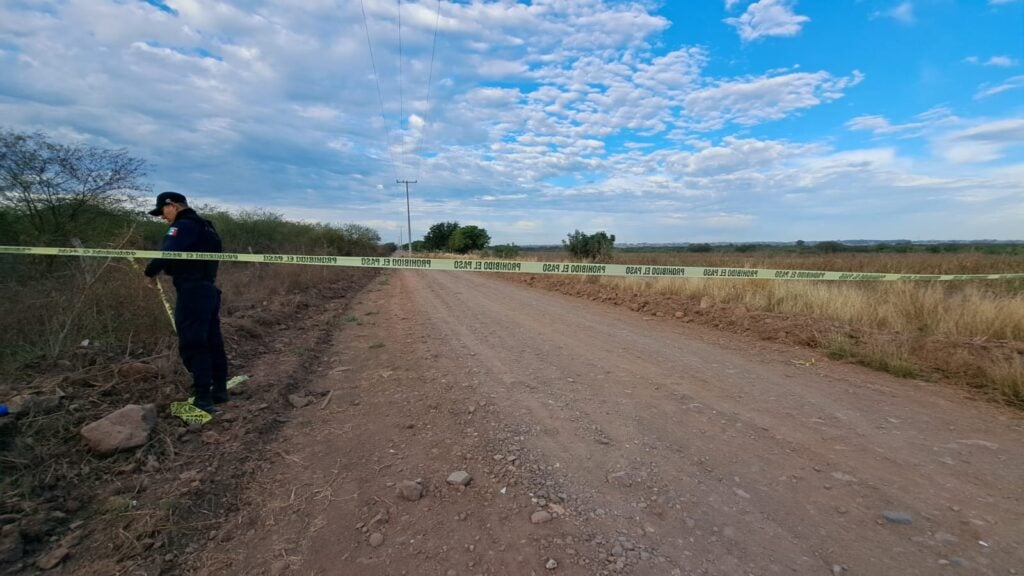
(279, 567)
(411, 491)
(540, 517)
(211, 437)
(460, 478)
(137, 371)
(298, 401)
(379, 520)
(897, 517)
(679, 314)
(551, 565)
(376, 539)
(52, 559)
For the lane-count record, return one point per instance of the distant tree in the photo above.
(438, 236)
(597, 246)
(419, 246)
(703, 247)
(506, 251)
(747, 248)
(388, 248)
(801, 244)
(62, 189)
(360, 234)
(468, 238)
(830, 246)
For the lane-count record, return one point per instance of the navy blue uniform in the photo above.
(197, 310)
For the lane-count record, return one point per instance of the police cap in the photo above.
(165, 198)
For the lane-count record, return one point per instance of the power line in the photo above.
(401, 98)
(380, 95)
(430, 79)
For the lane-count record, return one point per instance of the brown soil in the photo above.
(657, 446)
(148, 510)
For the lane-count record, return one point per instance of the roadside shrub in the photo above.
(583, 246)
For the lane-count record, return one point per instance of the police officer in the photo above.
(197, 310)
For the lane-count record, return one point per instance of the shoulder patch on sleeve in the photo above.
(172, 231)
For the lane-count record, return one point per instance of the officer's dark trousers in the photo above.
(197, 316)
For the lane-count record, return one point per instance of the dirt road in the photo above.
(654, 446)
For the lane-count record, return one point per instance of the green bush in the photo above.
(439, 236)
(597, 246)
(468, 238)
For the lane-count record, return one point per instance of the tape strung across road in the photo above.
(571, 268)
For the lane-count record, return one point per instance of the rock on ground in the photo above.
(460, 478)
(540, 517)
(126, 428)
(411, 491)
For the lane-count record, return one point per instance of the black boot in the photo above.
(219, 394)
(205, 403)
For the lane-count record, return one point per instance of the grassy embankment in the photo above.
(967, 332)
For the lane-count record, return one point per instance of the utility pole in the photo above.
(399, 236)
(408, 216)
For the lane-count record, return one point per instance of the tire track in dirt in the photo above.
(678, 449)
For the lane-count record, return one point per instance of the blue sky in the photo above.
(700, 120)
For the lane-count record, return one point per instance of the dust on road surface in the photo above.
(653, 447)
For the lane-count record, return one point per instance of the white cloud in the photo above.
(904, 13)
(982, 143)
(1009, 84)
(754, 100)
(1000, 61)
(768, 18)
(880, 125)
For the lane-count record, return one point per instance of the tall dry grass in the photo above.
(933, 309)
(55, 305)
(986, 310)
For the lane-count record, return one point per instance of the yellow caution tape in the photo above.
(570, 268)
(190, 414)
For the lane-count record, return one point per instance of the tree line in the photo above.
(62, 194)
